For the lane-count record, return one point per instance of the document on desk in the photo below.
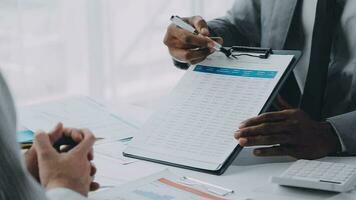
(196, 124)
(163, 186)
(114, 150)
(77, 112)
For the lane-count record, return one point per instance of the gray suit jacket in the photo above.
(272, 23)
(15, 182)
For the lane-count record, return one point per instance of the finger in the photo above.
(272, 151)
(75, 134)
(171, 39)
(190, 55)
(56, 133)
(266, 140)
(175, 43)
(281, 104)
(91, 154)
(188, 38)
(266, 117)
(219, 40)
(267, 129)
(86, 144)
(196, 61)
(92, 169)
(199, 24)
(43, 146)
(94, 186)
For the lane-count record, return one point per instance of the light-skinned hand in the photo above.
(71, 169)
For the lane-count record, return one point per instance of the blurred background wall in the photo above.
(111, 50)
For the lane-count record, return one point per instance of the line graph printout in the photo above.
(161, 186)
(76, 112)
(196, 124)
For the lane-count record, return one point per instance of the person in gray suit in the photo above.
(68, 175)
(319, 118)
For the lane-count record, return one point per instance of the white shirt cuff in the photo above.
(64, 193)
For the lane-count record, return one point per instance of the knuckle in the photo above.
(188, 39)
(265, 126)
(198, 19)
(186, 55)
(264, 116)
(295, 111)
(39, 135)
(173, 52)
(88, 133)
(189, 56)
(166, 40)
(91, 136)
(243, 132)
(250, 141)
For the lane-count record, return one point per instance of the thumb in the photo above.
(43, 146)
(281, 104)
(56, 133)
(86, 145)
(219, 40)
(199, 24)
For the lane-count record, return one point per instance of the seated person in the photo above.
(294, 130)
(53, 175)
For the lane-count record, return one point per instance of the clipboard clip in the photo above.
(257, 52)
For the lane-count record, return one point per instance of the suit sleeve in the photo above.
(345, 127)
(241, 25)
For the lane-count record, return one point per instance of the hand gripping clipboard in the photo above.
(259, 53)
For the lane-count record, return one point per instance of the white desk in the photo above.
(248, 176)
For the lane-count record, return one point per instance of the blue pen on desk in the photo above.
(178, 21)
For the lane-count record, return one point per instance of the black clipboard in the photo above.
(297, 55)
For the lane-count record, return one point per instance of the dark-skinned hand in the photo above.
(290, 132)
(187, 47)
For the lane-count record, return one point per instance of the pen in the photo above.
(67, 141)
(183, 25)
(64, 141)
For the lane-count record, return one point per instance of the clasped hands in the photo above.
(70, 167)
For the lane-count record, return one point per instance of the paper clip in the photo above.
(214, 189)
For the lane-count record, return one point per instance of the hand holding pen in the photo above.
(188, 40)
